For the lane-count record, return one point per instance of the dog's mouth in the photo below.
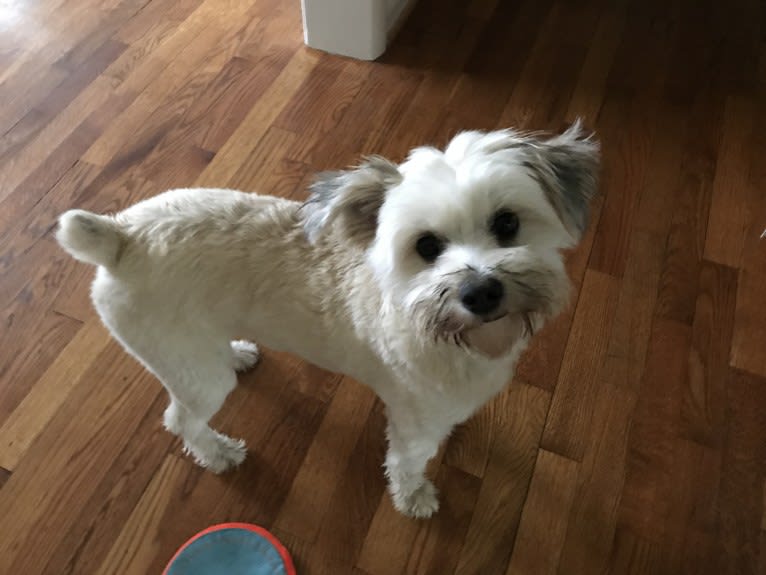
(525, 316)
(493, 318)
(496, 337)
(491, 336)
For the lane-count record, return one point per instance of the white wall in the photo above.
(355, 28)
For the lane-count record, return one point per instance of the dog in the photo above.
(423, 280)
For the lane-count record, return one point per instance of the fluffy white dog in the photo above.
(423, 280)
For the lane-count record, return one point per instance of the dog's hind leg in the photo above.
(197, 392)
(194, 364)
(198, 378)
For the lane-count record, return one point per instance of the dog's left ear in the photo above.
(567, 167)
(350, 200)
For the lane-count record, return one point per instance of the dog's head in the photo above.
(467, 241)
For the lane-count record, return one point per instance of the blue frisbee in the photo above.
(231, 549)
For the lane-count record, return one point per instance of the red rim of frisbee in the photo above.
(283, 553)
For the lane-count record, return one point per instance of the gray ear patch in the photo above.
(349, 201)
(567, 168)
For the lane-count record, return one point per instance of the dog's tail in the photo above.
(90, 238)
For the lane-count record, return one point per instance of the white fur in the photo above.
(184, 275)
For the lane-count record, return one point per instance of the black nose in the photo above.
(481, 296)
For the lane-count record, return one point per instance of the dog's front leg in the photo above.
(410, 446)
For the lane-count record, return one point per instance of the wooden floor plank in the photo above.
(101, 518)
(729, 212)
(628, 136)
(353, 504)
(543, 522)
(447, 49)
(503, 49)
(589, 92)
(556, 58)
(634, 555)
(133, 550)
(319, 103)
(33, 337)
(251, 129)
(743, 473)
(272, 150)
(34, 412)
(489, 541)
(656, 425)
(567, 423)
(469, 445)
(703, 412)
(308, 500)
(383, 99)
(689, 531)
(750, 320)
(634, 313)
(749, 326)
(390, 538)
(170, 95)
(628, 124)
(592, 521)
(77, 445)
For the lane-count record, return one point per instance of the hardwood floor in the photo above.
(633, 438)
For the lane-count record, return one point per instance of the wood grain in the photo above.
(656, 425)
(135, 547)
(702, 412)
(632, 436)
(744, 460)
(78, 444)
(571, 408)
(489, 541)
(469, 444)
(308, 500)
(594, 514)
(634, 555)
(589, 92)
(543, 522)
(34, 412)
(750, 317)
(101, 519)
(258, 119)
(729, 206)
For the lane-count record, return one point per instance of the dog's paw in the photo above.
(245, 354)
(225, 453)
(420, 504)
(171, 419)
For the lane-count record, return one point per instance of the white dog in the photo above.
(423, 280)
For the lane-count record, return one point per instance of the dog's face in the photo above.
(467, 242)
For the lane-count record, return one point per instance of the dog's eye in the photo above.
(429, 247)
(505, 226)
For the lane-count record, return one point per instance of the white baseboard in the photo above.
(356, 28)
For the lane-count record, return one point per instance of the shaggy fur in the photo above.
(341, 282)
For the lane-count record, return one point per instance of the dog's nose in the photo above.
(481, 296)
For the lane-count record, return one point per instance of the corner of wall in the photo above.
(355, 28)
